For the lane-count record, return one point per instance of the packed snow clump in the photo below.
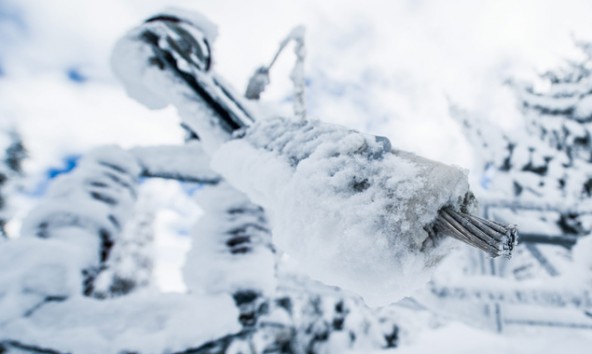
(146, 323)
(346, 206)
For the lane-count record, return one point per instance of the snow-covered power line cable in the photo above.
(175, 73)
(260, 78)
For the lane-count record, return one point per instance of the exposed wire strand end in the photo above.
(493, 238)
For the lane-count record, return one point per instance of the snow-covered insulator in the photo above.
(232, 251)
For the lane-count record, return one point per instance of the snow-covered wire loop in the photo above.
(260, 78)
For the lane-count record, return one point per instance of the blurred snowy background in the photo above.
(388, 68)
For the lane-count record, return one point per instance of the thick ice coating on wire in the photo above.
(345, 206)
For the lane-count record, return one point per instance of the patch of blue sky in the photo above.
(191, 188)
(75, 75)
(69, 163)
(487, 176)
(182, 232)
(10, 14)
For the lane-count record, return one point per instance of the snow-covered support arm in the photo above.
(185, 163)
(353, 211)
(94, 201)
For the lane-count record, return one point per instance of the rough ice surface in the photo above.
(349, 209)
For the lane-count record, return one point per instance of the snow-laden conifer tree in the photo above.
(12, 153)
(548, 161)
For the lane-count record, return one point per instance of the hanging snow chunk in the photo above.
(350, 210)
